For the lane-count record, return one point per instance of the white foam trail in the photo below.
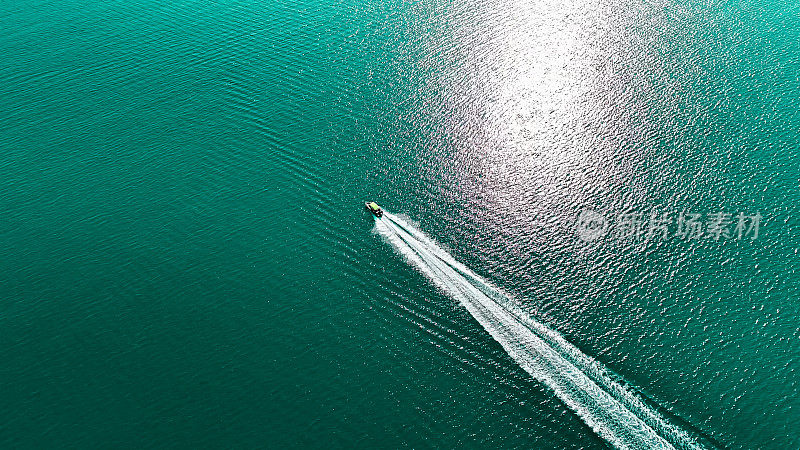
(612, 409)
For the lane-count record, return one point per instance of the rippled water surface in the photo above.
(187, 261)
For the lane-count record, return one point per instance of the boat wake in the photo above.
(615, 411)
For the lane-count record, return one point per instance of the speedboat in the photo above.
(374, 209)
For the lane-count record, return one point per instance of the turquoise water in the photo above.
(187, 262)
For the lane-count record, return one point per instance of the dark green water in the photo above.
(187, 263)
